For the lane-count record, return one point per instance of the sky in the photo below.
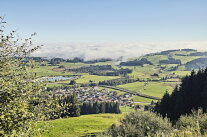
(94, 25)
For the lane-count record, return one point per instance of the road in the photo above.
(131, 92)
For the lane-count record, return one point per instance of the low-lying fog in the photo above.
(90, 51)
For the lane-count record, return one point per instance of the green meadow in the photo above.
(43, 71)
(156, 89)
(81, 126)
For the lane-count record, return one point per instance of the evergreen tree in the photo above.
(96, 108)
(164, 104)
(90, 108)
(117, 110)
(85, 109)
(107, 110)
(102, 107)
(191, 94)
(111, 107)
(75, 108)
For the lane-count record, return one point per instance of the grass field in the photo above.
(183, 52)
(43, 71)
(181, 73)
(58, 83)
(185, 59)
(85, 78)
(83, 125)
(156, 58)
(156, 89)
(141, 100)
(144, 72)
(79, 126)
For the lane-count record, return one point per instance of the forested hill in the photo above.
(181, 59)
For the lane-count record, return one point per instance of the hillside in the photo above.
(79, 126)
(83, 125)
(163, 70)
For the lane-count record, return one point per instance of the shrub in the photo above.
(140, 123)
(197, 120)
(18, 86)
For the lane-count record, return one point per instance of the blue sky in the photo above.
(108, 20)
(108, 28)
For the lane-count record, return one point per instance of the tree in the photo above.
(18, 85)
(111, 107)
(164, 104)
(84, 109)
(65, 103)
(191, 94)
(117, 110)
(102, 107)
(96, 108)
(72, 82)
(74, 110)
(107, 109)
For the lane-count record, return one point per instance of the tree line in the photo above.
(101, 70)
(136, 62)
(170, 60)
(56, 107)
(99, 107)
(69, 106)
(190, 94)
(56, 61)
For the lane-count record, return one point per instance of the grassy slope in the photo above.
(185, 59)
(156, 58)
(181, 73)
(183, 52)
(141, 100)
(85, 124)
(156, 89)
(142, 72)
(135, 98)
(77, 126)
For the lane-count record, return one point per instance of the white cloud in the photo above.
(112, 50)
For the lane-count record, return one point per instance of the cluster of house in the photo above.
(94, 94)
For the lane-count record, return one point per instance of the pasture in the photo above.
(83, 125)
(156, 89)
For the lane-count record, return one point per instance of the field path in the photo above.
(131, 92)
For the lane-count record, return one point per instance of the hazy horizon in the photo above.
(90, 51)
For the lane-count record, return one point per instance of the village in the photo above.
(97, 94)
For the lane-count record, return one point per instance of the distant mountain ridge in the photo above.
(187, 58)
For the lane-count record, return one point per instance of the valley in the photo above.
(133, 84)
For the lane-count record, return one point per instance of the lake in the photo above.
(58, 78)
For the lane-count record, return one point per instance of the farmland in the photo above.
(152, 88)
(171, 73)
(150, 79)
(103, 68)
